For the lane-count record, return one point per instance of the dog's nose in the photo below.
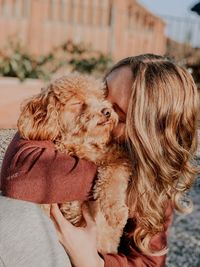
(106, 112)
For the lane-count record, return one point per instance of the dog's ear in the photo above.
(39, 118)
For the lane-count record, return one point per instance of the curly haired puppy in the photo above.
(73, 113)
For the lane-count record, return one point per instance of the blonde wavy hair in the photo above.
(161, 135)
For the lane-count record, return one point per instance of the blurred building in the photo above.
(118, 27)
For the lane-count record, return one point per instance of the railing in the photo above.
(14, 8)
(183, 29)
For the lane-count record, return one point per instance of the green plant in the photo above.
(88, 65)
(17, 62)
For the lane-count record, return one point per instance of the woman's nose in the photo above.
(106, 112)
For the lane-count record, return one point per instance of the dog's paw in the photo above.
(72, 212)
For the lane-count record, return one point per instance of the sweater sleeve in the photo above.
(34, 171)
(137, 259)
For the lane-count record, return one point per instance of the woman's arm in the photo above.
(80, 244)
(35, 171)
(137, 259)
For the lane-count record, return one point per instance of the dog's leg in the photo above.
(72, 212)
(110, 194)
(110, 190)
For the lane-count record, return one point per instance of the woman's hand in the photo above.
(79, 242)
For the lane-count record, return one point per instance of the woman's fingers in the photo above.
(58, 218)
(87, 216)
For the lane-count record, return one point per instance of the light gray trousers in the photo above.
(28, 237)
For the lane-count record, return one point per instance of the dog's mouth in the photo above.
(105, 122)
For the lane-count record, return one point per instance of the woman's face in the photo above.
(119, 84)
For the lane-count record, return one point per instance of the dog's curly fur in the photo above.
(73, 113)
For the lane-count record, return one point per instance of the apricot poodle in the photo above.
(73, 113)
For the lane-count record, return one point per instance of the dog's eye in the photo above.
(76, 103)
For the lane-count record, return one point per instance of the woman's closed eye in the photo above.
(79, 106)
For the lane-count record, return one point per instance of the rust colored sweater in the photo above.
(34, 171)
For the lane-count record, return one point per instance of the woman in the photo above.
(157, 104)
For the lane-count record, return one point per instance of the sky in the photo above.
(178, 8)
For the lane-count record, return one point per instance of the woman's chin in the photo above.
(119, 132)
